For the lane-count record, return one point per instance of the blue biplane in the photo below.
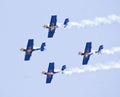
(87, 52)
(51, 72)
(28, 51)
(52, 26)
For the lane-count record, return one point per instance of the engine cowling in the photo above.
(80, 53)
(45, 26)
(22, 49)
(43, 72)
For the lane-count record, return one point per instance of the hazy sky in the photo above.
(21, 20)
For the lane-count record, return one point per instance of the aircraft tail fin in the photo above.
(42, 47)
(99, 49)
(66, 22)
(63, 68)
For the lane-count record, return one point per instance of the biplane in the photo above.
(66, 22)
(29, 49)
(87, 52)
(51, 72)
(52, 26)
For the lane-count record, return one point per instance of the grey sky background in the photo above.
(23, 19)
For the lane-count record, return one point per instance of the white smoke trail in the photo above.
(95, 22)
(111, 51)
(97, 67)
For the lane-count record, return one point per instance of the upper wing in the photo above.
(88, 47)
(29, 46)
(87, 53)
(52, 23)
(50, 69)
